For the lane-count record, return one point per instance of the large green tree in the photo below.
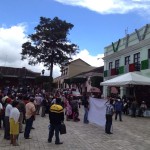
(49, 44)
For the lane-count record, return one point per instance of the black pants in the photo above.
(126, 111)
(108, 123)
(43, 111)
(28, 126)
(133, 112)
(120, 115)
(7, 128)
(55, 128)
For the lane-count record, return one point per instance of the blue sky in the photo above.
(97, 23)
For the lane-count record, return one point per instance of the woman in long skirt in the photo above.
(14, 123)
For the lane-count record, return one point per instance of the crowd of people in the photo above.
(118, 106)
(18, 107)
(130, 106)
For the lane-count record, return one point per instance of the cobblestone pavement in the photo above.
(131, 134)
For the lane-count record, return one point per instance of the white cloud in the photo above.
(95, 61)
(11, 40)
(111, 6)
(10, 43)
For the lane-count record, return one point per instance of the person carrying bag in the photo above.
(63, 129)
(56, 117)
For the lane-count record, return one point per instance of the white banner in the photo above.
(97, 111)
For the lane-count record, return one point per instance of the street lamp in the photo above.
(43, 71)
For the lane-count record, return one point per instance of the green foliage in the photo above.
(1, 76)
(49, 44)
(78, 80)
(54, 85)
(75, 81)
(47, 86)
(67, 81)
(43, 79)
(95, 81)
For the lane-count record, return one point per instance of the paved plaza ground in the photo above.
(131, 134)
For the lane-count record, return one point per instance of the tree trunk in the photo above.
(51, 70)
(51, 75)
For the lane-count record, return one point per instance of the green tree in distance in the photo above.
(77, 81)
(95, 82)
(49, 44)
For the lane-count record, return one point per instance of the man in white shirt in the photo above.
(38, 101)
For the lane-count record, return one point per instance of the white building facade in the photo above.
(131, 53)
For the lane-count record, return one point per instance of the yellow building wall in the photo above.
(77, 67)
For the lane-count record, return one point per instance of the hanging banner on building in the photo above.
(97, 111)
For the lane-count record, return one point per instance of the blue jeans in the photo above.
(85, 115)
(29, 123)
(55, 128)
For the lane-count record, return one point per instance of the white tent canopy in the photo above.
(130, 78)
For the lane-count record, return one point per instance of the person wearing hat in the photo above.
(56, 117)
(30, 117)
(7, 115)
